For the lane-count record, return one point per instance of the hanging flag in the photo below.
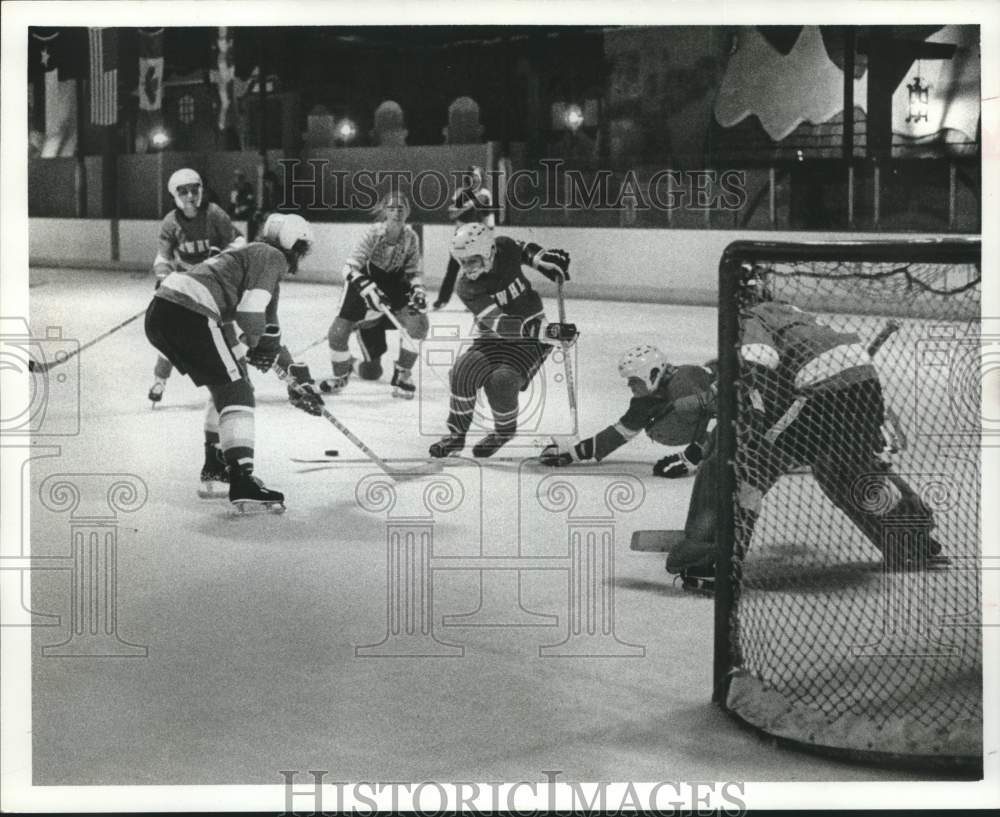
(150, 69)
(104, 76)
(55, 60)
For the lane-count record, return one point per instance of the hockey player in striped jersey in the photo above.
(656, 388)
(816, 400)
(193, 319)
(512, 336)
(383, 272)
(189, 234)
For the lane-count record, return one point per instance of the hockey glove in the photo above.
(550, 333)
(263, 355)
(368, 290)
(302, 391)
(553, 455)
(418, 299)
(553, 264)
(679, 465)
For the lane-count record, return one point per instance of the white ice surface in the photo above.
(252, 623)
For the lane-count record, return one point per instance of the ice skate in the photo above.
(214, 475)
(333, 385)
(156, 391)
(698, 580)
(402, 384)
(247, 492)
(447, 445)
(491, 443)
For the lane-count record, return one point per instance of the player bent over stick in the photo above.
(383, 272)
(189, 234)
(189, 321)
(817, 401)
(513, 336)
(656, 385)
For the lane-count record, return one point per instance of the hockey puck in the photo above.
(331, 452)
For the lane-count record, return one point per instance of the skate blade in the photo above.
(245, 507)
(700, 587)
(403, 395)
(214, 490)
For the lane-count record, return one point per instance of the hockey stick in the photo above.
(567, 364)
(312, 345)
(422, 469)
(44, 367)
(408, 342)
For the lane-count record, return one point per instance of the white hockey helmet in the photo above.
(289, 232)
(645, 362)
(471, 242)
(182, 178)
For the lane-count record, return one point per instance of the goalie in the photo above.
(672, 404)
(513, 338)
(814, 399)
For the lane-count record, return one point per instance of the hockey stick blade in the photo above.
(656, 541)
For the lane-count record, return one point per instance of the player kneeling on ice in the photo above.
(512, 336)
(189, 234)
(382, 274)
(814, 399)
(672, 404)
(191, 320)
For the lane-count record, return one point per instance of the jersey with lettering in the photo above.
(185, 241)
(502, 299)
(232, 285)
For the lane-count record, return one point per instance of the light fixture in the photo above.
(159, 139)
(918, 99)
(574, 117)
(346, 130)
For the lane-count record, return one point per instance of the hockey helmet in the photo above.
(647, 363)
(288, 232)
(185, 177)
(473, 247)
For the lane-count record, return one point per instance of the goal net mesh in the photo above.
(837, 626)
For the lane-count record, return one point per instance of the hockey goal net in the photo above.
(820, 639)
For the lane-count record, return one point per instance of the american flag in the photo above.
(103, 76)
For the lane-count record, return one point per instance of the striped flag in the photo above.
(104, 76)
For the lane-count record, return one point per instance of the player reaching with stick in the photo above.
(190, 233)
(656, 385)
(193, 318)
(513, 338)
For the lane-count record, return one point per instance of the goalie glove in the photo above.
(302, 390)
(263, 355)
(553, 455)
(367, 289)
(679, 465)
(551, 333)
(553, 264)
(418, 299)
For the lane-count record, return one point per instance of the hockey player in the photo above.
(191, 320)
(384, 271)
(512, 339)
(655, 386)
(189, 234)
(471, 203)
(816, 400)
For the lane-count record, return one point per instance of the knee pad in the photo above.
(502, 383)
(237, 393)
(415, 323)
(340, 331)
(370, 369)
(470, 372)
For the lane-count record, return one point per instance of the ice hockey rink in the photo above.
(249, 645)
